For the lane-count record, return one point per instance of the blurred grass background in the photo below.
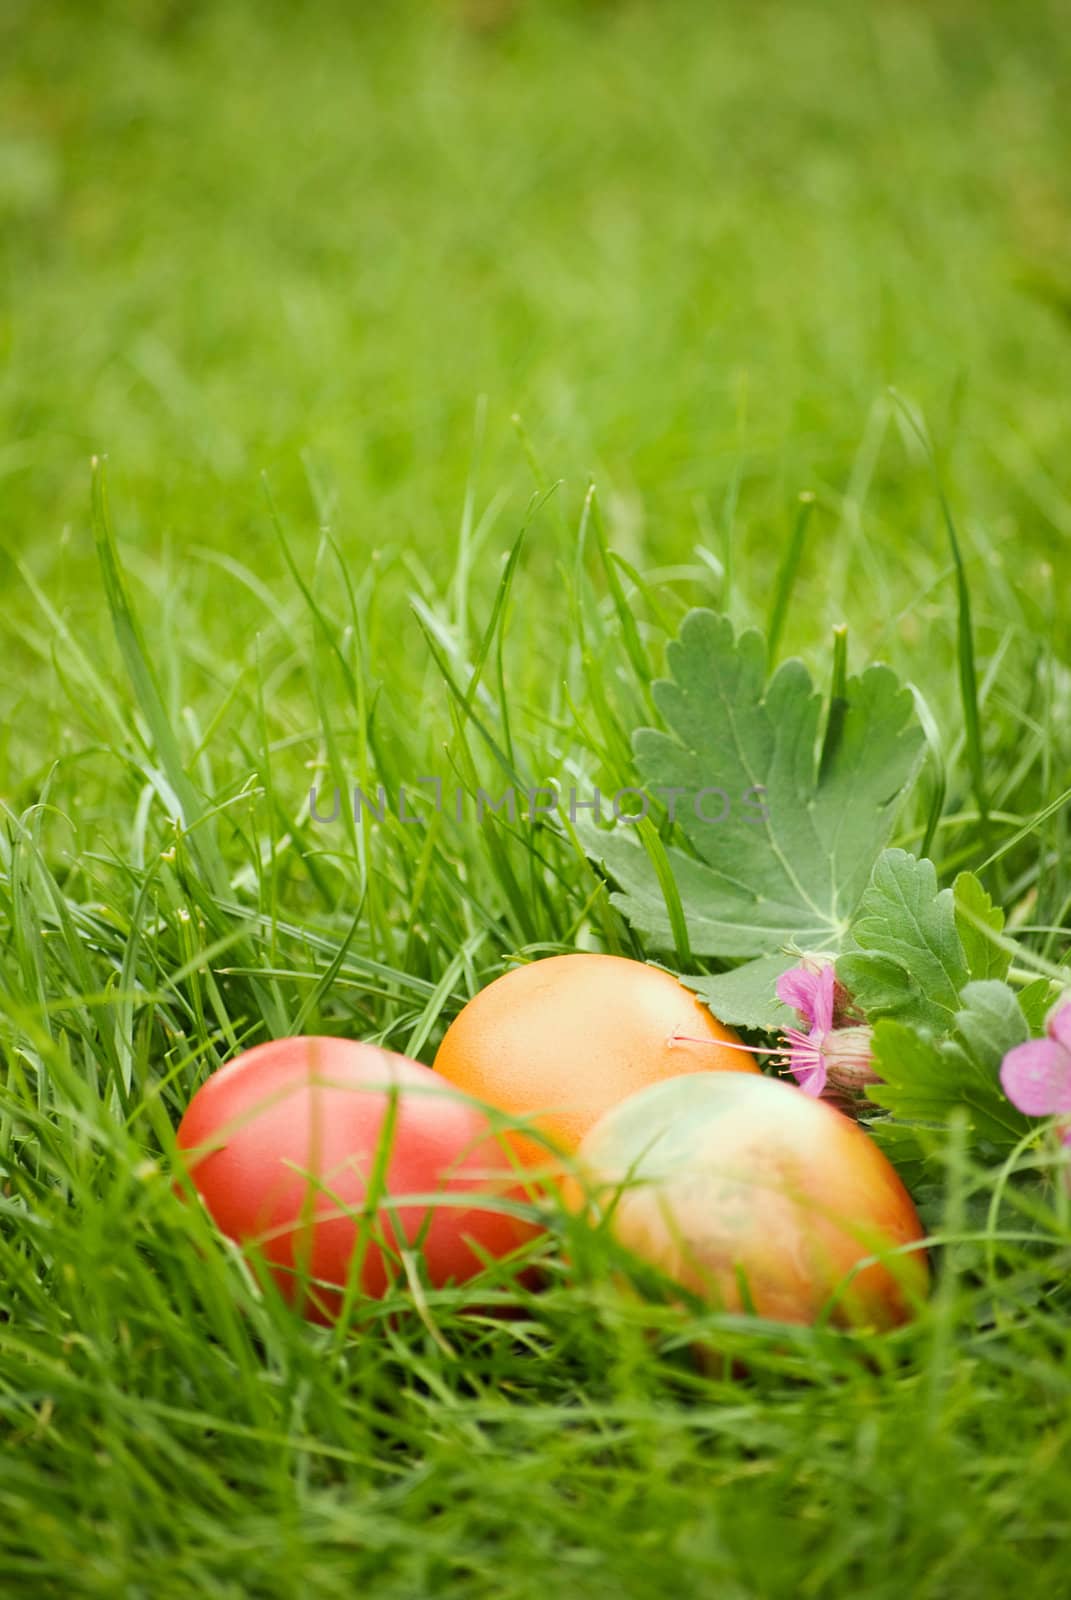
(687, 243)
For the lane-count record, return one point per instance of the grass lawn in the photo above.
(349, 297)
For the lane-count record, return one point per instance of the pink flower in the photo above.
(811, 994)
(826, 1061)
(1036, 1076)
(802, 983)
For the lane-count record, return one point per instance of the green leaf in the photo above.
(642, 901)
(908, 1148)
(747, 996)
(790, 856)
(925, 1081)
(1037, 1000)
(904, 958)
(975, 912)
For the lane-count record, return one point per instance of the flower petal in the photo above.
(810, 993)
(796, 988)
(823, 999)
(1036, 1077)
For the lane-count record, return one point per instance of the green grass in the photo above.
(693, 249)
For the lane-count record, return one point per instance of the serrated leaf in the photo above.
(904, 958)
(915, 1084)
(924, 1081)
(790, 856)
(746, 997)
(975, 912)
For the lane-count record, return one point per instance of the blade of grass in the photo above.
(787, 574)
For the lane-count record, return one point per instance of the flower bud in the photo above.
(849, 1066)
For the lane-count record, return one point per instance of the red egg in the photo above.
(289, 1143)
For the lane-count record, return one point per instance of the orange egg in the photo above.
(562, 1040)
